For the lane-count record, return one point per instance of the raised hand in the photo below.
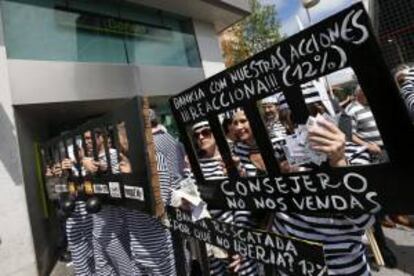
(325, 137)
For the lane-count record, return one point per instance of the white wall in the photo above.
(17, 255)
(208, 44)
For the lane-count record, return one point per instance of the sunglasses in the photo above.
(206, 132)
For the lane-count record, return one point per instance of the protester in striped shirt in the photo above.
(212, 168)
(109, 236)
(364, 127)
(151, 245)
(366, 133)
(129, 242)
(166, 144)
(271, 117)
(79, 226)
(341, 235)
(150, 242)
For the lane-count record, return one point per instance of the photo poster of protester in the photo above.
(104, 161)
(343, 40)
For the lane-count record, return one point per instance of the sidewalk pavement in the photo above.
(401, 242)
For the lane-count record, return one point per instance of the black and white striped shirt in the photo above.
(172, 150)
(130, 242)
(151, 246)
(276, 129)
(407, 92)
(363, 123)
(79, 228)
(340, 235)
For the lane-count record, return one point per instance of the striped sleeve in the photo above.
(351, 111)
(242, 151)
(363, 123)
(172, 151)
(357, 155)
(166, 183)
(407, 92)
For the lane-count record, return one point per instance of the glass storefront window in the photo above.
(97, 31)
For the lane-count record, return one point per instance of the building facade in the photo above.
(64, 61)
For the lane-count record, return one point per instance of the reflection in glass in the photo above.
(98, 31)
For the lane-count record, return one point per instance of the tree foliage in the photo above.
(251, 35)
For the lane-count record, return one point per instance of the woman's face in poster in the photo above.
(241, 128)
(205, 140)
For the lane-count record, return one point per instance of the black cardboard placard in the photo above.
(290, 255)
(131, 190)
(345, 39)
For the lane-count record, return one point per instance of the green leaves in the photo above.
(253, 34)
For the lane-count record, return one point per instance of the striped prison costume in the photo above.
(150, 242)
(363, 123)
(276, 129)
(129, 242)
(172, 150)
(407, 92)
(110, 236)
(340, 235)
(79, 234)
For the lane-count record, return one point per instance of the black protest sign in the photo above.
(107, 159)
(290, 255)
(339, 190)
(343, 40)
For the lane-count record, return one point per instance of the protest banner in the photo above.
(290, 255)
(343, 40)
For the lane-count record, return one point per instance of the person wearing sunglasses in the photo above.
(213, 167)
(271, 117)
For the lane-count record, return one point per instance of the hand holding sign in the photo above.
(67, 164)
(236, 263)
(325, 137)
(124, 164)
(91, 166)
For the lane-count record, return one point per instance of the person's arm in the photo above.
(372, 148)
(407, 93)
(358, 140)
(124, 164)
(90, 165)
